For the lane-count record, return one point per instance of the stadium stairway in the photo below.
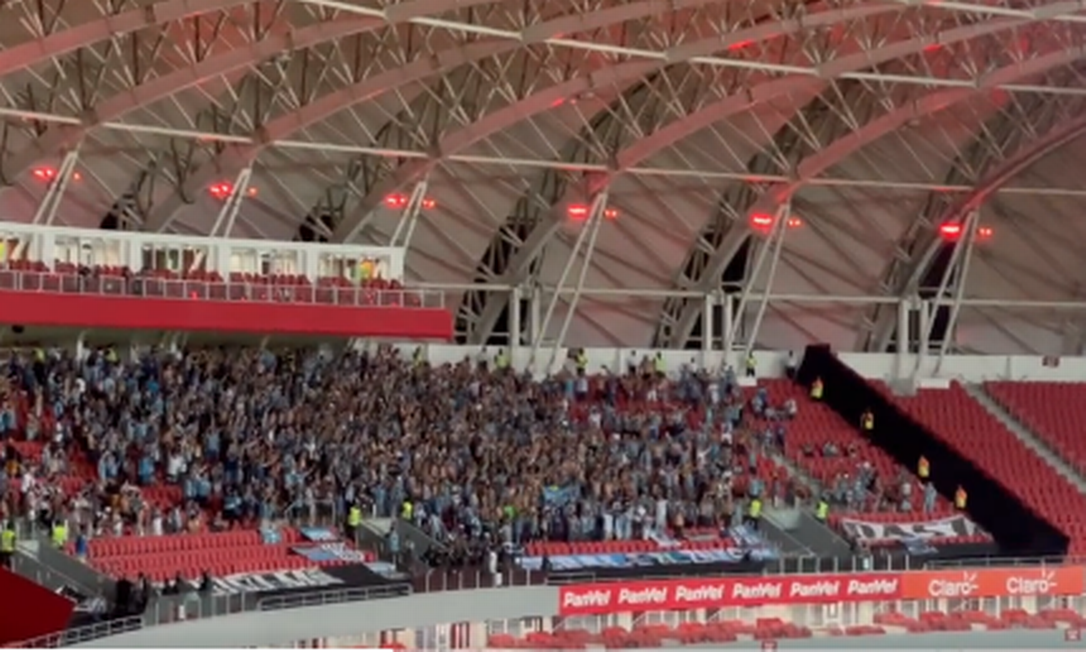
(795, 529)
(797, 532)
(1028, 438)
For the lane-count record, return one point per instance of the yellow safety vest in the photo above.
(501, 361)
(354, 517)
(869, 422)
(7, 541)
(923, 469)
(60, 535)
(417, 356)
(582, 361)
(756, 508)
(816, 391)
(659, 364)
(407, 511)
(822, 511)
(752, 362)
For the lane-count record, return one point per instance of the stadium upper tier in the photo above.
(196, 257)
(99, 279)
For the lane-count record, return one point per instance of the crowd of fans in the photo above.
(470, 452)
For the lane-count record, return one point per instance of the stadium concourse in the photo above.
(357, 294)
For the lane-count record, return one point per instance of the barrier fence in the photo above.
(588, 594)
(149, 287)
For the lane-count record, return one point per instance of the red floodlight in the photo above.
(398, 202)
(951, 231)
(764, 222)
(223, 190)
(579, 212)
(46, 173)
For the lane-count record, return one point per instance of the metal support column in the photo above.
(589, 231)
(776, 240)
(228, 214)
(401, 237)
(535, 315)
(966, 242)
(54, 193)
(727, 318)
(779, 224)
(514, 320)
(707, 328)
(924, 317)
(904, 343)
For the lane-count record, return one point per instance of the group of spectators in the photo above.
(470, 452)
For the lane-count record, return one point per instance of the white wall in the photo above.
(884, 366)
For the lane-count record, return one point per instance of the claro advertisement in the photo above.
(703, 593)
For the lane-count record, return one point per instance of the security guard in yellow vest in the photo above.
(407, 511)
(7, 545)
(354, 521)
(581, 361)
(816, 389)
(754, 516)
(501, 360)
(867, 421)
(822, 510)
(923, 468)
(60, 534)
(659, 365)
(752, 366)
(960, 499)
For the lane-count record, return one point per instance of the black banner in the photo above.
(944, 528)
(298, 581)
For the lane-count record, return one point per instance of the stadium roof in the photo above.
(873, 123)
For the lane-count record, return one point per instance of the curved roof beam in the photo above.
(59, 138)
(800, 88)
(842, 148)
(542, 101)
(929, 243)
(39, 51)
(237, 157)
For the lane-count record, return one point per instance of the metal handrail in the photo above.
(228, 291)
(171, 609)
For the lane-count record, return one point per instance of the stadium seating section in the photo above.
(969, 428)
(189, 555)
(1055, 412)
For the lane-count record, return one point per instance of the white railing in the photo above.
(157, 288)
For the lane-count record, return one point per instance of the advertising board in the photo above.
(711, 593)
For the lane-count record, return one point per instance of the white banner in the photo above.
(955, 526)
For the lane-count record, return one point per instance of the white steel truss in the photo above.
(570, 95)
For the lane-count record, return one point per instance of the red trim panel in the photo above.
(82, 311)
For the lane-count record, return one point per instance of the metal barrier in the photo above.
(155, 288)
(172, 609)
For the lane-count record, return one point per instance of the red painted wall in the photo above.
(28, 610)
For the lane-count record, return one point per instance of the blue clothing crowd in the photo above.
(167, 441)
